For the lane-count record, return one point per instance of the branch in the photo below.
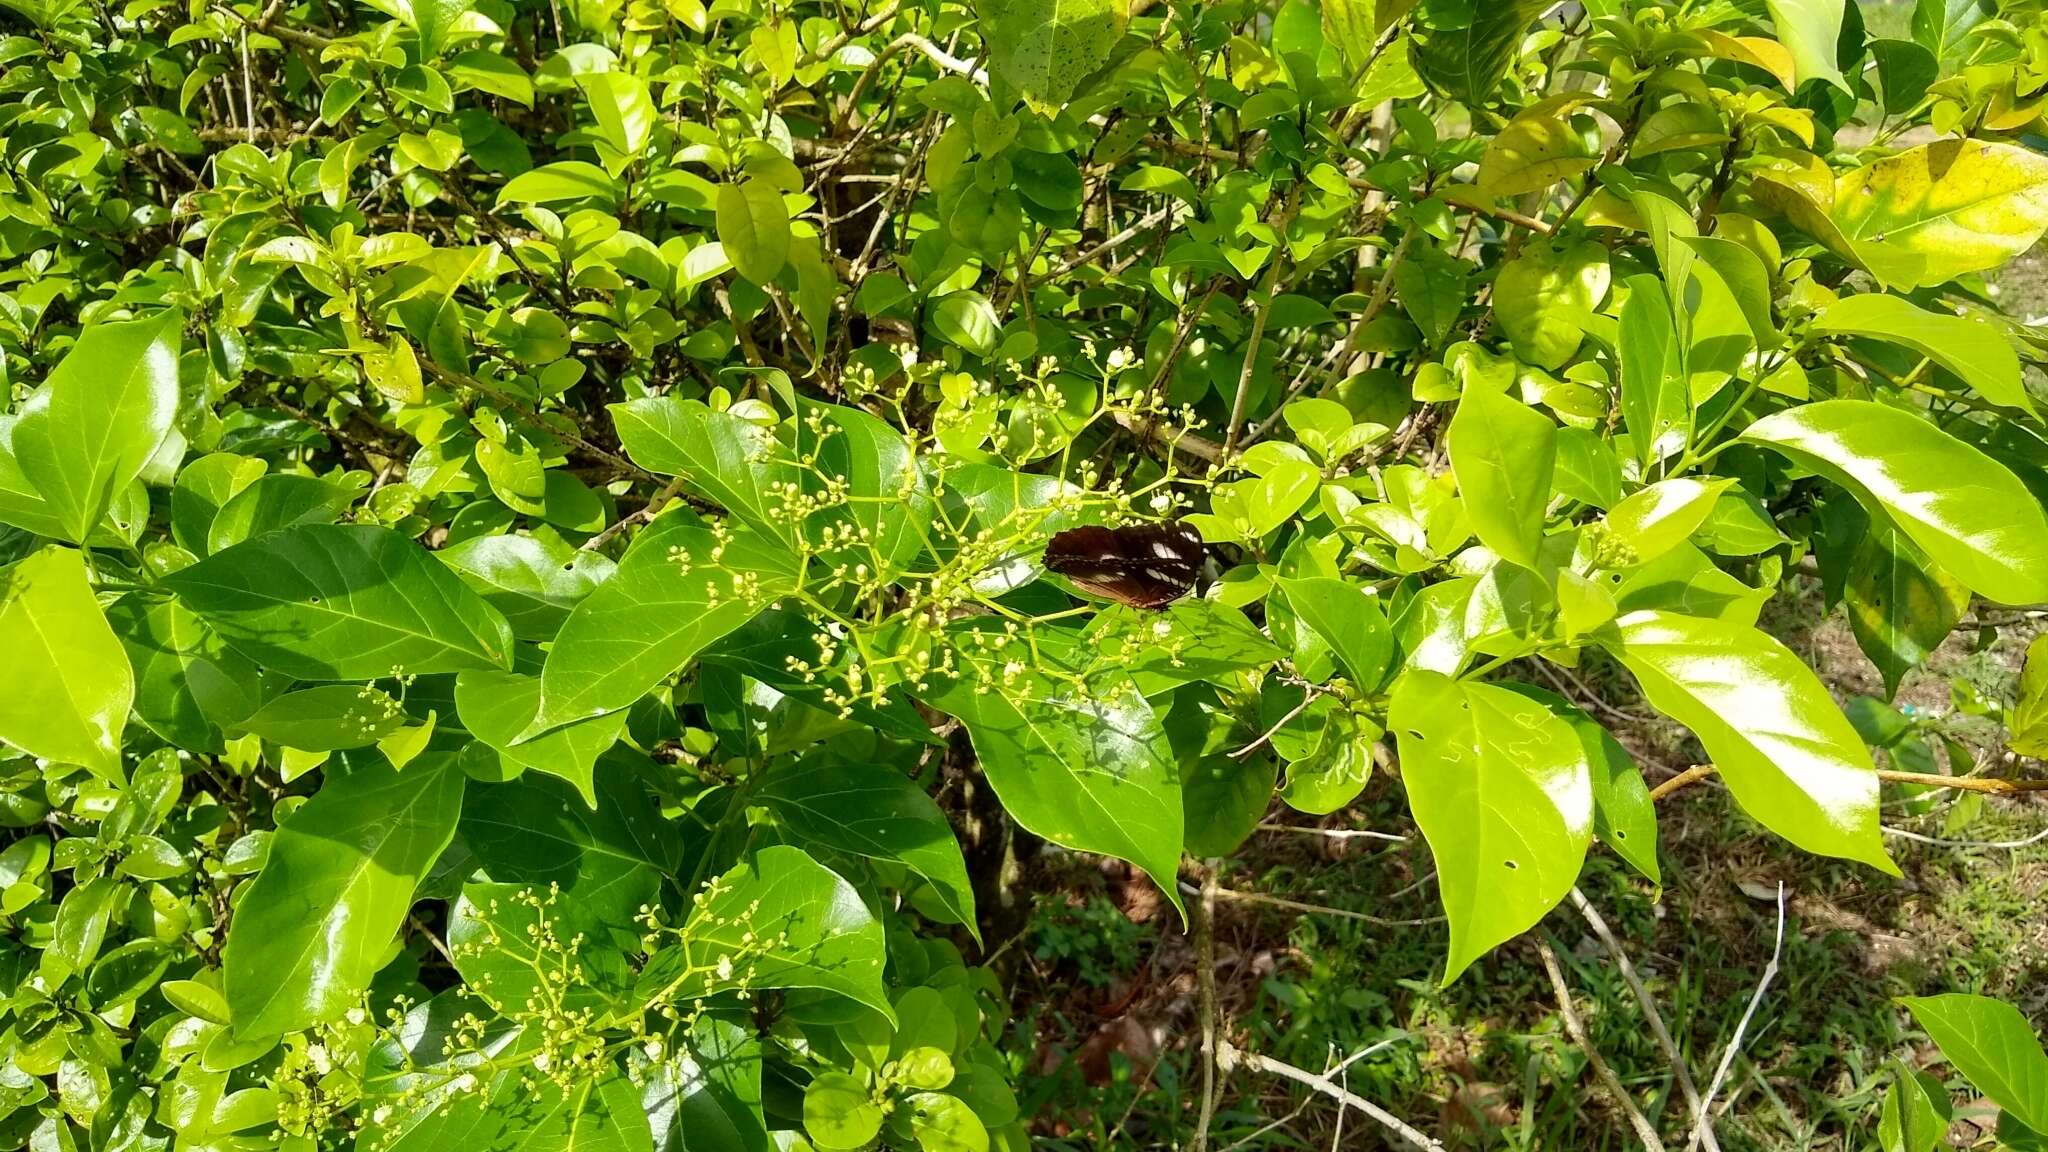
(1608, 1080)
(1991, 785)
(1205, 949)
(1658, 1030)
(1700, 1119)
(1298, 906)
(1230, 1056)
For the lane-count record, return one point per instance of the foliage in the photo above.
(515, 511)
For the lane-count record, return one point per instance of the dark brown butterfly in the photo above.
(1143, 565)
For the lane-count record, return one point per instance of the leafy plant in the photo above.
(517, 513)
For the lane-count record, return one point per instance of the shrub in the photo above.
(516, 510)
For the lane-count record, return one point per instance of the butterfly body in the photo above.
(1143, 565)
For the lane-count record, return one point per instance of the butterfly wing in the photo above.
(1143, 565)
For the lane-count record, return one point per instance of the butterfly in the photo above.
(1143, 565)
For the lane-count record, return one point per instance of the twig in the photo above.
(1307, 698)
(1337, 1069)
(1144, 224)
(1268, 291)
(1605, 1074)
(1205, 947)
(1232, 1056)
(647, 513)
(1658, 1029)
(1917, 838)
(1991, 785)
(1298, 906)
(1700, 1118)
(1335, 833)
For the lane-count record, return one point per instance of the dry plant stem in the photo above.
(1298, 906)
(1700, 1115)
(1205, 948)
(1686, 1087)
(1577, 1030)
(1335, 833)
(1323, 1084)
(1987, 784)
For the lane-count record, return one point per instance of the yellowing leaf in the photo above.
(1539, 147)
(1932, 213)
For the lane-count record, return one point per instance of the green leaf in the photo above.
(1976, 351)
(680, 587)
(1654, 399)
(1541, 296)
(1916, 1113)
(80, 927)
(123, 975)
(1773, 732)
(1900, 605)
(737, 463)
(1046, 47)
(753, 227)
(534, 581)
(188, 684)
(1080, 761)
(874, 811)
(1503, 453)
(434, 20)
(1349, 619)
(1464, 47)
(839, 1113)
(625, 113)
(274, 502)
(318, 921)
(562, 180)
(1624, 816)
(1811, 30)
(595, 1113)
(1967, 511)
(1992, 1045)
(783, 921)
(85, 435)
(942, 1123)
(326, 717)
(885, 513)
(497, 707)
(1929, 214)
(1656, 519)
(1431, 285)
(1501, 790)
(706, 1096)
(968, 321)
(69, 685)
(2028, 723)
(343, 602)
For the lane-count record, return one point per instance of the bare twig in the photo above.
(1335, 833)
(1991, 785)
(1655, 1018)
(1608, 1080)
(1323, 1084)
(1205, 947)
(1298, 906)
(1700, 1118)
(1917, 838)
(1144, 224)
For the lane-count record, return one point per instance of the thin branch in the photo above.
(1335, 833)
(1205, 947)
(1232, 1056)
(1991, 785)
(1298, 906)
(1608, 1080)
(1658, 1029)
(1937, 841)
(1144, 224)
(1700, 1119)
